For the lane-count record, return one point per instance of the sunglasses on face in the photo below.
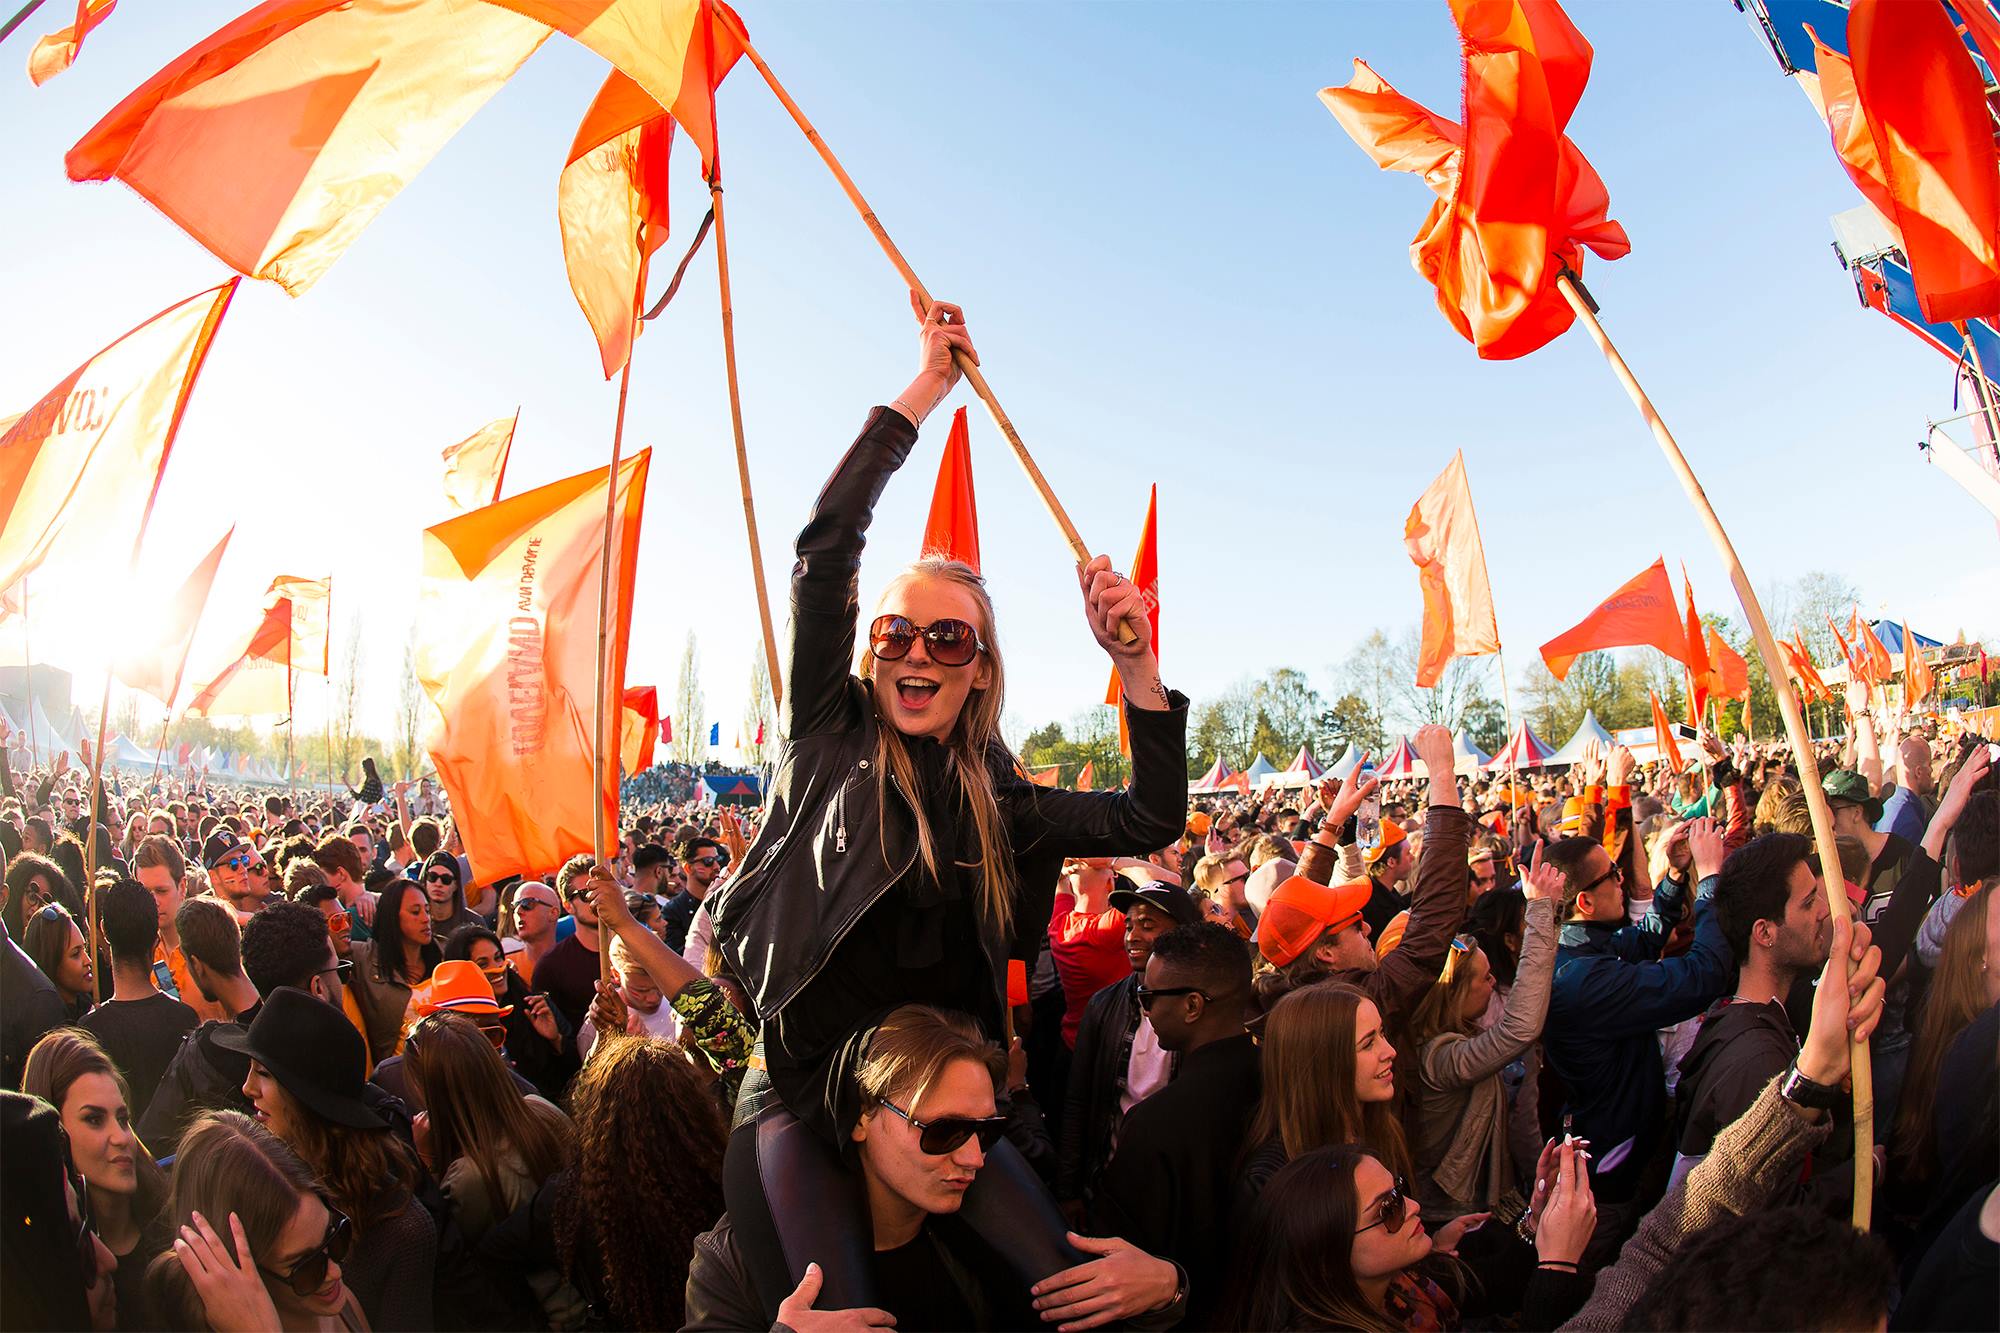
(441, 877)
(1616, 872)
(949, 642)
(308, 1275)
(1390, 1214)
(1148, 994)
(340, 971)
(706, 861)
(240, 861)
(948, 1133)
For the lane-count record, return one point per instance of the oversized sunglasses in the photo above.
(441, 877)
(949, 642)
(1390, 1213)
(308, 1275)
(947, 1134)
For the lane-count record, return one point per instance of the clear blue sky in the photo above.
(1178, 269)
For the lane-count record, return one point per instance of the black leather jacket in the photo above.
(827, 851)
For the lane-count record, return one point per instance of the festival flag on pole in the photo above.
(154, 661)
(952, 530)
(507, 650)
(79, 469)
(667, 730)
(1857, 669)
(475, 467)
(1908, 115)
(639, 724)
(1880, 669)
(1918, 682)
(1516, 200)
(1087, 776)
(1799, 664)
(1047, 776)
(290, 637)
(1699, 673)
(1641, 613)
(59, 50)
(1145, 576)
(1442, 537)
(1729, 673)
(715, 734)
(760, 731)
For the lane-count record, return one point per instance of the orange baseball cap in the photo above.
(1198, 823)
(1301, 910)
(1572, 815)
(1392, 833)
(1392, 934)
(459, 987)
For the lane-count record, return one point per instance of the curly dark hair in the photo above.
(648, 1177)
(1783, 1268)
(1755, 886)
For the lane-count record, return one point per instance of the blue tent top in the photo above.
(1260, 768)
(1891, 635)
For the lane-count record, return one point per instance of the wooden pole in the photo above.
(28, 666)
(90, 843)
(1861, 1071)
(972, 373)
(7, 28)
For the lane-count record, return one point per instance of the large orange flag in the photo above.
(952, 530)
(1146, 576)
(153, 659)
(290, 638)
(638, 727)
(1799, 663)
(1729, 673)
(1880, 669)
(1442, 537)
(1517, 201)
(1642, 613)
(1910, 122)
(59, 50)
(475, 467)
(1663, 735)
(1918, 681)
(79, 469)
(1700, 672)
(507, 650)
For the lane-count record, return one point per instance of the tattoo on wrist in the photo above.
(1160, 692)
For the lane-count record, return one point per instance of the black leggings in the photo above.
(792, 1201)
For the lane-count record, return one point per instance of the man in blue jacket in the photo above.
(1611, 995)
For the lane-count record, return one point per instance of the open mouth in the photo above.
(916, 692)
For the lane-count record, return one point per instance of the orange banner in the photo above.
(1663, 736)
(152, 659)
(1640, 614)
(951, 532)
(1146, 575)
(1442, 537)
(639, 728)
(59, 50)
(290, 639)
(475, 467)
(507, 650)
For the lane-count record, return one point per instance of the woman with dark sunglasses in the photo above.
(256, 1245)
(906, 856)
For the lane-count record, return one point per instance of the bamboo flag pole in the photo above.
(971, 372)
(90, 845)
(20, 17)
(1788, 708)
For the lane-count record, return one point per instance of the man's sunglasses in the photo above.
(1148, 994)
(1390, 1213)
(341, 970)
(440, 877)
(706, 861)
(948, 1133)
(240, 861)
(949, 642)
(1616, 872)
(308, 1275)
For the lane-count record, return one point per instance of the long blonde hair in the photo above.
(971, 744)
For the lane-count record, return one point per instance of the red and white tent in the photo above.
(1401, 763)
(1303, 762)
(1524, 749)
(1216, 779)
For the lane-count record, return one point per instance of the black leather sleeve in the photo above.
(1143, 818)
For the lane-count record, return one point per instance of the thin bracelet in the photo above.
(1556, 1264)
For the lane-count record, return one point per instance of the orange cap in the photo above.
(1198, 823)
(1572, 816)
(1392, 833)
(1301, 910)
(1392, 934)
(459, 987)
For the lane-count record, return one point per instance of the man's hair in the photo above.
(1782, 1268)
(910, 1049)
(274, 805)
(41, 828)
(284, 945)
(1211, 871)
(426, 836)
(357, 826)
(157, 849)
(1975, 839)
(209, 935)
(694, 847)
(312, 892)
(130, 920)
(1209, 955)
(295, 847)
(650, 854)
(575, 869)
(336, 852)
(1753, 886)
(301, 875)
(1568, 856)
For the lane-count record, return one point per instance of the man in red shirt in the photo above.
(1086, 937)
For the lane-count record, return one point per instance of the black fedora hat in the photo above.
(313, 1052)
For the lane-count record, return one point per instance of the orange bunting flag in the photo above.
(1799, 664)
(1663, 735)
(1918, 682)
(1442, 537)
(507, 649)
(1908, 114)
(1878, 668)
(475, 467)
(952, 530)
(1516, 200)
(1700, 675)
(1729, 673)
(1087, 776)
(1857, 669)
(1642, 613)
(152, 659)
(290, 637)
(639, 725)
(1145, 575)
(1046, 777)
(79, 469)
(59, 50)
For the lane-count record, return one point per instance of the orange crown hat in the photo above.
(1572, 816)
(1392, 934)
(459, 987)
(1392, 833)
(1301, 910)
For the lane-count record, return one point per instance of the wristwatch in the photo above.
(1799, 1090)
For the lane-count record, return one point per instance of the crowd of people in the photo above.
(922, 1044)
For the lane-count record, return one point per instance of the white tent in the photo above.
(1469, 757)
(1261, 770)
(1347, 763)
(1590, 729)
(122, 753)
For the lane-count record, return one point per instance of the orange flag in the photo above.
(1880, 669)
(639, 725)
(1047, 776)
(1642, 613)
(1663, 733)
(1442, 537)
(1146, 576)
(475, 467)
(1700, 675)
(952, 530)
(1857, 668)
(79, 469)
(1729, 674)
(1918, 682)
(507, 650)
(59, 50)
(1517, 201)
(289, 638)
(153, 660)
(1910, 122)
(1798, 661)
(1087, 776)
